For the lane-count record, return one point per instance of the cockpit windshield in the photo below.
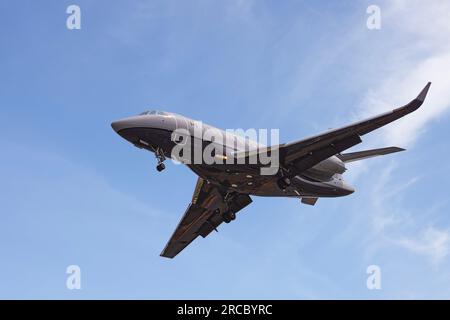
(154, 112)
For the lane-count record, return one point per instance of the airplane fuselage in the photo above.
(154, 131)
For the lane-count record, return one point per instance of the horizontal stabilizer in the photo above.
(355, 156)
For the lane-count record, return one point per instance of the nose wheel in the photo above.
(160, 167)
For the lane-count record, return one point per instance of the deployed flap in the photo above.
(306, 153)
(355, 156)
(202, 216)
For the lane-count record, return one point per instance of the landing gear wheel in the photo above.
(229, 216)
(283, 183)
(160, 167)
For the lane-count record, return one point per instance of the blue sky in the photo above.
(74, 192)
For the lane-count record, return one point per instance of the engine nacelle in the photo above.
(325, 169)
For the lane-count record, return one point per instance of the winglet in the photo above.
(423, 93)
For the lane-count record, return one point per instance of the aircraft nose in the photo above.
(119, 125)
(115, 125)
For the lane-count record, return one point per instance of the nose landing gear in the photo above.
(159, 153)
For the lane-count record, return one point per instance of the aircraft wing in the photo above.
(201, 216)
(306, 153)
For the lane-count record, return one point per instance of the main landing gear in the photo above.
(283, 183)
(159, 153)
(227, 216)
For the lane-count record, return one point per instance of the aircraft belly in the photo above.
(252, 183)
(299, 188)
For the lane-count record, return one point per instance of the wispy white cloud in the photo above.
(432, 242)
(425, 57)
(397, 226)
(402, 87)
